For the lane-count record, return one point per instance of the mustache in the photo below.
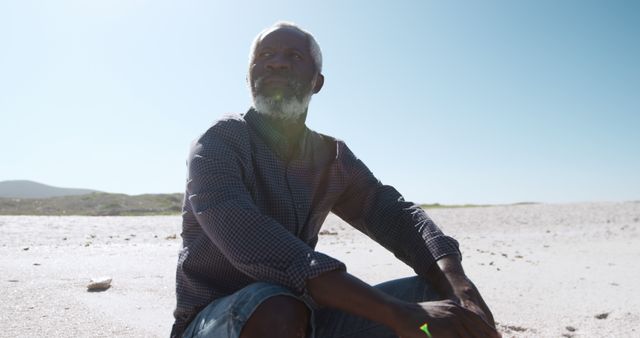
(291, 81)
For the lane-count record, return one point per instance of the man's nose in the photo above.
(278, 63)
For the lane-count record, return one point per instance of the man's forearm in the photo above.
(440, 273)
(449, 279)
(341, 290)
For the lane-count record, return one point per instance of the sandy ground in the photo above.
(545, 270)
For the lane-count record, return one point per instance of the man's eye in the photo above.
(296, 56)
(265, 54)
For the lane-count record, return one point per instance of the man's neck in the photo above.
(291, 129)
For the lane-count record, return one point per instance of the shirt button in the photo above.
(300, 206)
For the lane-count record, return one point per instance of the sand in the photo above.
(565, 270)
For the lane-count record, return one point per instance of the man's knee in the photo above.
(278, 316)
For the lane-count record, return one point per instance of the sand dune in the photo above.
(545, 270)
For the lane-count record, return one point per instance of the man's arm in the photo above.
(402, 227)
(340, 290)
(381, 213)
(254, 243)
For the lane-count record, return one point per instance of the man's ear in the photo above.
(319, 83)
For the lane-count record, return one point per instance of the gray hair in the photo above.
(314, 48)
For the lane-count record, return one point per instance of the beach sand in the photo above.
(567, 270)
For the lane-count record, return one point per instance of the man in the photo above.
(260, 186)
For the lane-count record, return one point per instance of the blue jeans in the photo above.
(225, 317)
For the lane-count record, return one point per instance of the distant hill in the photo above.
(30, 189)
(33, 198)
(94, 204)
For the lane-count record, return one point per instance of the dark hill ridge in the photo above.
(33, 198)
(30, 189)
(94, 204)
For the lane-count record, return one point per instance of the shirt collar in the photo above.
(283, 138)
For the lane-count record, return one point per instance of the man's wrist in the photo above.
(401, 312)
(450, 265)
(443, 272)
(453, 272)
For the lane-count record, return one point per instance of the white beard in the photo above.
(285, 109)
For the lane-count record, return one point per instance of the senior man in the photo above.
(259, 187)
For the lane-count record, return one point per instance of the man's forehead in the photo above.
(290, 37)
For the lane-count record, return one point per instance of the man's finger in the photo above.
(479, 301)
(486, 311)
(475, 308)
(478, 306)
(480, 326)
(465, 324)
(475, 303)
(475, 332)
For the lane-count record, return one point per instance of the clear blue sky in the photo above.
(449, 101)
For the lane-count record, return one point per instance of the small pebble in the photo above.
(99, 284)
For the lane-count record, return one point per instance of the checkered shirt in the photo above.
(252, 212)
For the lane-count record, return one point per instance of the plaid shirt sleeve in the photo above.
(254, 243)
(381, 213)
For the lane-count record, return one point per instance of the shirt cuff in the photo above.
(441, 246)
(311, 265)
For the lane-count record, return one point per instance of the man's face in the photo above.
(282, 67)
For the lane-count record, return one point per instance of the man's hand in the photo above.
(445, 318)
(469, 297)
(460, 288)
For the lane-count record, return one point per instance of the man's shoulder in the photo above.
(229, 130)
(335, 150)
(325, 139)
(338, 146)
(227, 125)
